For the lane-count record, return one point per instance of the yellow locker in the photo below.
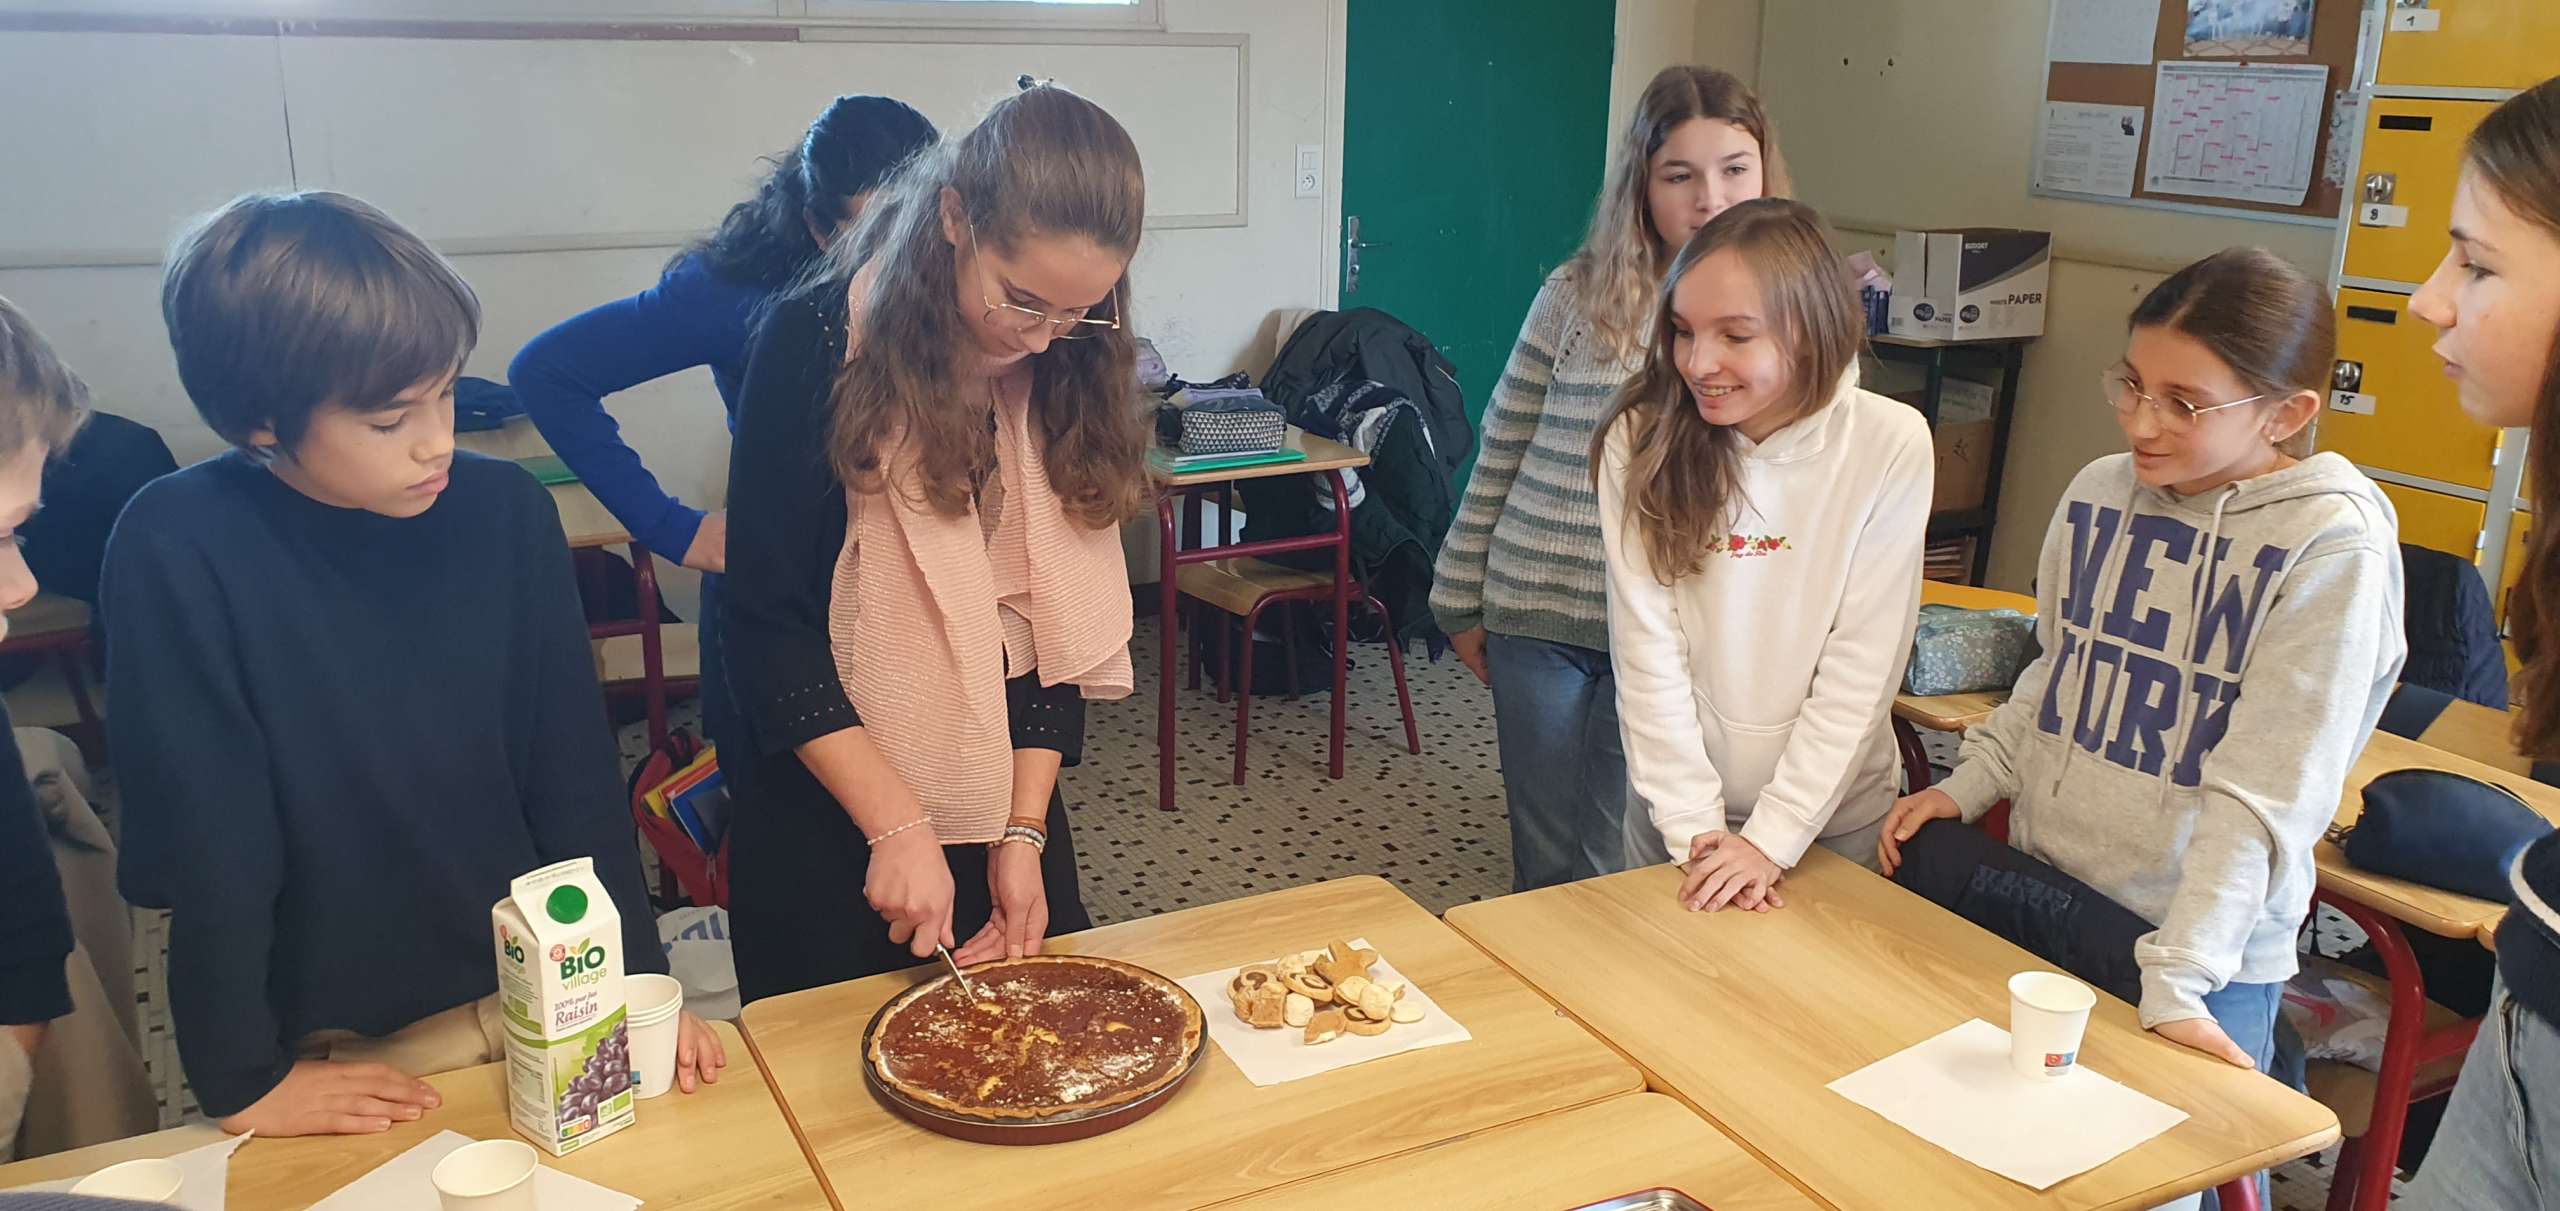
(2417, 146)
(2507, 578)
(2415, 426)
(2469, 44)
(2437, 521)
(2514, 567)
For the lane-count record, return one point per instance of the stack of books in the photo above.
(1167, 461)
(695, 800)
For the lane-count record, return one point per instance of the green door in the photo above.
(1474, 132)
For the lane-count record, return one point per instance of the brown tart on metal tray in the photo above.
(1047, 1036)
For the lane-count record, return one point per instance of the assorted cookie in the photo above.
(1323, 993)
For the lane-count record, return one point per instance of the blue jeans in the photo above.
(2497, 1150)
(1564, 772)
(2248, 1013)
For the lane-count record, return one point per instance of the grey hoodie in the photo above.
(2181, 743)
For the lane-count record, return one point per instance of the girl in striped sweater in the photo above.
(1520, 588)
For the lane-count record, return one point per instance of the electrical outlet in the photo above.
(1310, 175)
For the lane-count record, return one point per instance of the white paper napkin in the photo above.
(1957, 1091)
(403, 1184)
(1269, 1057)
(207, 1169)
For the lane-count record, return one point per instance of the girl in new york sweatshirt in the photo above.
(2220, 617)
(1763, 519)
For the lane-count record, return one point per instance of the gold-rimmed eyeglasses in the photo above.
(1076, 324)
(2177, 413)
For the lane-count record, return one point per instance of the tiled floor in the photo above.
(1431, 824)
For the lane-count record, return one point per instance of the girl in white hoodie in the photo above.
(1763, 520)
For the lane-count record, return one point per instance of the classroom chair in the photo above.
(1243, 589)
(55, 626)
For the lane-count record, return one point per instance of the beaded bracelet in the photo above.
(1025, 835)
(875, 841)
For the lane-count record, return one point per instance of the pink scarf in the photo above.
(929, 613)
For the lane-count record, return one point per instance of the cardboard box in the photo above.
(1964, 466)
(1970, 284)
(559, 944)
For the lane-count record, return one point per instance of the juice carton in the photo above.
(560, 978)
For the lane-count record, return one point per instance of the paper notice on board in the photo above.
(2089, 149)
(2237, 131)
(2102, 31)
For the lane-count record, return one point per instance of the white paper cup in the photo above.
(654, 1001)
(2047, 1015)
(151, 1181)
(492, 1175)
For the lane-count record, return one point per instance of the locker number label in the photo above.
(2416, 21)
(2356, 402)
(2377, 214)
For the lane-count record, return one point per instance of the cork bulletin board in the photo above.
(2216, 116)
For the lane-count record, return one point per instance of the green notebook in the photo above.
(1171, 463)
(550, 470)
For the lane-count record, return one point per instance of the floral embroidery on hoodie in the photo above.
(1748, 546)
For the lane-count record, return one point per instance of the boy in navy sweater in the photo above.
(353, 690)
(41, 404)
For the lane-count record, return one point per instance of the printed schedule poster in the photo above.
(2245, 132)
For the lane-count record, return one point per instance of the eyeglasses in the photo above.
(2174, 413)
(1077, 325)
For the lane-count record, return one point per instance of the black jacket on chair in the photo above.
(2453, 638)
(1367, 343)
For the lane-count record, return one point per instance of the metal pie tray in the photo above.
(1664, 1199)
(1053, 1129)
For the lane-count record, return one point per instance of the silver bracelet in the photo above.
(1026, 835)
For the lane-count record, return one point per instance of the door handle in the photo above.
(1351, 246)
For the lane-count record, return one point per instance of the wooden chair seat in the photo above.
(1237, 585)
(48, 617)
(2348, 1090)
(618, 659)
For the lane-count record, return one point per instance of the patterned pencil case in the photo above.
(1230, 422)
(1960, 651)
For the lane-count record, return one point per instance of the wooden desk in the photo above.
(1949, 712)
(1324, 456)
(1554, 1162)
(1220, 1137)
(723, 1149)
(1747, 1016)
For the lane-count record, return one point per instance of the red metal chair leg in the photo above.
(2239, 1194)
(1244, 689)
(1915, 758)
(2342, 1175)
(1166, 604)
(2406, 1045)
(1289, 655)
(1226, 651)
(1395, 661)
(1341, 615)
(653, 658)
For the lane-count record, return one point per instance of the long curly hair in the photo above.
(1043, 162)
(851, 148)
